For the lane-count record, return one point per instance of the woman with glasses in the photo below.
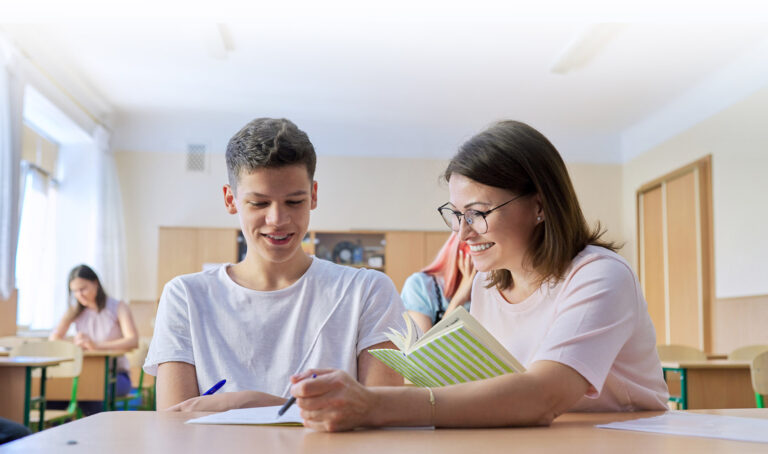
(442, 286)
(548, 288)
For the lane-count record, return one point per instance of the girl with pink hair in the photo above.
(442, 286)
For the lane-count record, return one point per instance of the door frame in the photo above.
(707, 269)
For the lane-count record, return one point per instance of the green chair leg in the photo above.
(759, 400)
(680, 401)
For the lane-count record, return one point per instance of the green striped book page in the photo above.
(456, 350)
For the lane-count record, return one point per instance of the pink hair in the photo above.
(446, 264)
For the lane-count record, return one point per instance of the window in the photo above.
(35, 257)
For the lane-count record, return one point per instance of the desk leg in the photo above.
(27, 393)
(105, 403)
(683, 389)
(43, 402)
(682, 401)
(110, 383)
(113, 384)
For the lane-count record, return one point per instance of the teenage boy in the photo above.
(279, 311)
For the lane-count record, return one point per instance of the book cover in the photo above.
(456, 350)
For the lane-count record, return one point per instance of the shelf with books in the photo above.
(358, 249)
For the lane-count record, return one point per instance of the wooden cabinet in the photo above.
(8, 315)
(184, 250)
(409, 252)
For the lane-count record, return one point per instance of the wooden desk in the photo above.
(713, 383)
(97, 379)
(16, 385)
(133, 432)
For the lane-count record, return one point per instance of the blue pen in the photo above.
(289, 402)
(214, 388)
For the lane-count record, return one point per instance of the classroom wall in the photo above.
(353, 193)
(737, 139)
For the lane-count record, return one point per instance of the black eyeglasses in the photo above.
(476, 220)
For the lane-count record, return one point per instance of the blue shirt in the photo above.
(419, 295)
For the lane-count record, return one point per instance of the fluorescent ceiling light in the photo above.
(585, 47)
(221, 42)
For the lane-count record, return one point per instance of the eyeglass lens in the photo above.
(474, 219)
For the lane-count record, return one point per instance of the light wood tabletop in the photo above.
(35, 361)
(102, 353)
(5, 352)
(139, 432)
(707, 364)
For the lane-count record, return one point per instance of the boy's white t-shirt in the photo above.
(595, 321)
(256, 340)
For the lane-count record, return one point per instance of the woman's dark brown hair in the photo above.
(516, 157)
(85, 272)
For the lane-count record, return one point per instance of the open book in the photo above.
(456, 350)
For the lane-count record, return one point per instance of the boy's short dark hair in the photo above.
(268, 142)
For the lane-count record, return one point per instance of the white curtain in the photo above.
(110, 249)
(77, 208)
(11, 110)
(36, 270)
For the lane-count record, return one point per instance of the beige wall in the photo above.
(598, 187)
(353, 193)
(737, 139)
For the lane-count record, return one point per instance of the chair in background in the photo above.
(11, 341)
(759, 372)
(69, 369)
(8, 342)
(677, 353)
(144, 394)
(674, 352)
(747, 353)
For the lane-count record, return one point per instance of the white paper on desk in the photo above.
(258, 415)
(699, 425)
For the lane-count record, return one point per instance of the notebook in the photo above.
(456, 350)
(253, 416)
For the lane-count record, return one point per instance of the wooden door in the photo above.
(652, 262)
(684, 268)
(675, 250)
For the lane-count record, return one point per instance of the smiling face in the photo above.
(273, 205)
(510, 228)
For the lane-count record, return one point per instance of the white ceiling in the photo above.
(386, 84)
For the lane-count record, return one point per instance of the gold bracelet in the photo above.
(432, 406)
